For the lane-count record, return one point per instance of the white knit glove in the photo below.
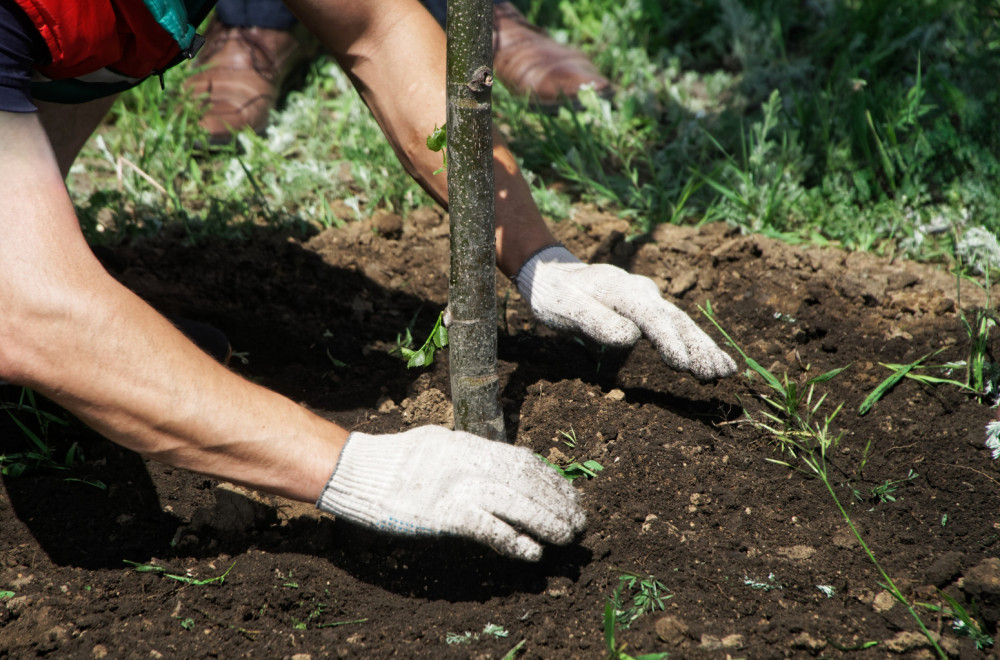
(616, 308)
(430, 480)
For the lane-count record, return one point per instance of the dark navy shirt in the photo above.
(21, 49)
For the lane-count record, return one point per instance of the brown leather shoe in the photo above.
(529, 62)
(245, 71)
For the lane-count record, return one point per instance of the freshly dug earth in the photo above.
(687, 493)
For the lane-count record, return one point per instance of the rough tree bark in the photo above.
(472, 333)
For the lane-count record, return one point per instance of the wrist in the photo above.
(524, 272)
(358, 485)
(542, 270)
(517, 241)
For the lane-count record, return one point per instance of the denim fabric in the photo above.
(274, 15)
(270, 14)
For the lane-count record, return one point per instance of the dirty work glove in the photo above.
(615, 308)
(430, 480)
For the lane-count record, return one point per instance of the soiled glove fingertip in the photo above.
(725, 365)
(571, 523)
(714, 368)
(569, 517)
(605, 327)
(621, 335)
(676, 358)
(524, 548)
(578, 523)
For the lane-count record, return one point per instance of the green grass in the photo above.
(963, 622)
(143, 170)
(857, 122)
(864, 123)
(845, 121)
(806, 442)
(40, 433)
(185, 579)
(885, 491)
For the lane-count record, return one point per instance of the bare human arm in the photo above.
(74, 334)
(394, 54)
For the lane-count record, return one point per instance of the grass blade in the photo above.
(609, 627)
(890, 382)
(334, 624)
(766, 375)
(882, 388)
(35, 440)
(514, 651)
(830, 375)
(753, 364)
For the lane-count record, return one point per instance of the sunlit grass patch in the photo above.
(146, 167)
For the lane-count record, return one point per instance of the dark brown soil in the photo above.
(687, 493)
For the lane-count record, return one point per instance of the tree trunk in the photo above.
(472, 332)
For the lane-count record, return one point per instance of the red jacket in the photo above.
(101, 47)
(85, 36)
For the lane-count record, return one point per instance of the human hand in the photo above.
(615, 308)
(430, 480)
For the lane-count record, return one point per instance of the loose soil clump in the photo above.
(757, 561)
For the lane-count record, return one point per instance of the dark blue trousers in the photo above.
(273, 14)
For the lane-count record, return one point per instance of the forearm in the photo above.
(142, 384)
(520, 229)
(395, 55)
(73, 333)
